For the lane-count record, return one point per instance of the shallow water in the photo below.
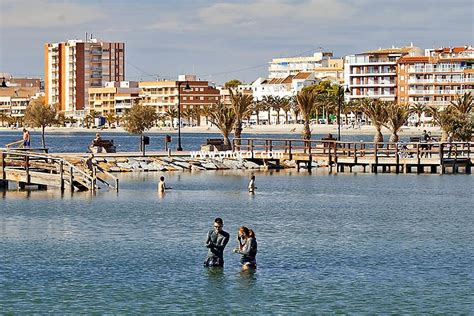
(327, 243)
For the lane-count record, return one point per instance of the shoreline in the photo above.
(290, 129)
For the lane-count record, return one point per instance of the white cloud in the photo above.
(45, 14)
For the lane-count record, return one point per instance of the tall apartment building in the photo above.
(163, 95)
(286, 66)
(437, 77)
(72, 67)
(373, 74)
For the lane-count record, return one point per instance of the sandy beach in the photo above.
(290, 129)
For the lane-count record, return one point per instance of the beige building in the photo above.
(163, 95)
(115, 97)
(436, 78)
(14, 100)
(72, 67)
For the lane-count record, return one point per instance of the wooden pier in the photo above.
(456, 157)
(42, 170)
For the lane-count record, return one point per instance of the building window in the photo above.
(201, 98)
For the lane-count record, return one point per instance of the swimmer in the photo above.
(252, 186)
(162, 186)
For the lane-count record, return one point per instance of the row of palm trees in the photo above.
(455, 118)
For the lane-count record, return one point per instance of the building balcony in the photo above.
(372, 95)
(374, 84)
(374, 74)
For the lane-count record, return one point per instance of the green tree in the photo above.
(242, 106)
(222, 116)
(111, 118)
(232, 84)
(463, 103)
(375, 109)
(139, 119)
(40, 114)
(306, 100)
(171, 113)
(397, 116)
(418, 109)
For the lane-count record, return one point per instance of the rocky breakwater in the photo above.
(177, 164)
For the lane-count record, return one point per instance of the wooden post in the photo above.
(289, 151)
(27, 168)
(251, 147)
(397, 159)
(94, 177)
(376, 158)
(61, 175)
(2, 164)
(116, 184)
(441, 154)
(71, 178)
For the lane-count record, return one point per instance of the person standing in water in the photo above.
(252, 186)
(161, 185)
(216, 241)
(247, 248)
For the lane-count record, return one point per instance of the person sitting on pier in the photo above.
(97, 138)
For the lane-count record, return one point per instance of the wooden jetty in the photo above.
(35, 167)
(455, 157)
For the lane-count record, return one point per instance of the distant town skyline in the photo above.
(223, 40)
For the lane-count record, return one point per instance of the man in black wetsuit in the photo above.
(216, 241)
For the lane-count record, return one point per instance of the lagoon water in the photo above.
(327, 243)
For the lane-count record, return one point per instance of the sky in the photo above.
(225, 39)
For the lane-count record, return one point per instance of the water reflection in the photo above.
(246, 279)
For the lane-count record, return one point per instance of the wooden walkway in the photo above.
(28, 167)
(364, 156)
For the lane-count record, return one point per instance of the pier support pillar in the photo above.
(42, 187)
(3, 184)
(434, 169)
(21, 185)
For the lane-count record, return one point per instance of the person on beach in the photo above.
(216, 241)
(26, 138)
(252, 186)
(247, 248)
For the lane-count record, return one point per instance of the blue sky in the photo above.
(226, 39)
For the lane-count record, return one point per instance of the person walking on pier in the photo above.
(216, 241)
(26, 138)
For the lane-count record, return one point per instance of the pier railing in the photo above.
(27, 167)
(333, 150)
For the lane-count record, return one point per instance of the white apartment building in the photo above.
(286, 66)
(373, 74)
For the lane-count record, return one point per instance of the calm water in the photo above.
(78, 142)
(327, 243)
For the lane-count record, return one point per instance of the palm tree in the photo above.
(397, 115)
(91, 117)
(450, 120)
(223, 116)
(242, 105)
(295, 107)
(418, 108)
(375, 109)
(286, 107)
(171, 113)
(110, 118)
(3, 117)
(464, 104)
(277, 103)
(306, 100)
(267, 102)
(257, 107)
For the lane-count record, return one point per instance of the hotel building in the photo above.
(72, 67)
(373, 74)
(437, 77)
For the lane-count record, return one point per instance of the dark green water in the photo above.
(327, 243)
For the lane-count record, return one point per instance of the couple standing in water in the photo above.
(217, 239)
